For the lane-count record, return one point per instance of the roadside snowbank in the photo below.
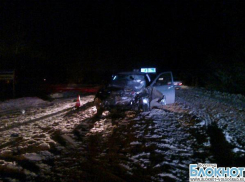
(22, 103)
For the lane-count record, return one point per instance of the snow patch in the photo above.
(22, 103)
(135, 143)
(168, 175)
(236, 150)
(228, 137)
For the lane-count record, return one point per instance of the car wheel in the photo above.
(144, 105)
(145, 108)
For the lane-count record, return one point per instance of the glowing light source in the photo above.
(145, 101)
(148, 70)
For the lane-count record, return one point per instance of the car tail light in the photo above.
(180, 83)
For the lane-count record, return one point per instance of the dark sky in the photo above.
(109, 35)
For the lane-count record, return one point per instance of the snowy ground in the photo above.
(21, 104)
(55, 142)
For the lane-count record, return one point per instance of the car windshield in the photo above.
(132, 81)
(124, 77)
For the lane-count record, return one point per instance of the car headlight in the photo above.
(145, 100)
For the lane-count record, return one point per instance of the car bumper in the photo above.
(118, 106)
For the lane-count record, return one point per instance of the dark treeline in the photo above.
(202, 42)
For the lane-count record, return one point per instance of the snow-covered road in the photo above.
(225, 110)
(55, 142)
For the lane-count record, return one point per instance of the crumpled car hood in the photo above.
(117, 96)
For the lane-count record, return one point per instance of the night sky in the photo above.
(121, 35)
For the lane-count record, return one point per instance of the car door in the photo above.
(165, 84)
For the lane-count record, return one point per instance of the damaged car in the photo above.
(135, 91)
